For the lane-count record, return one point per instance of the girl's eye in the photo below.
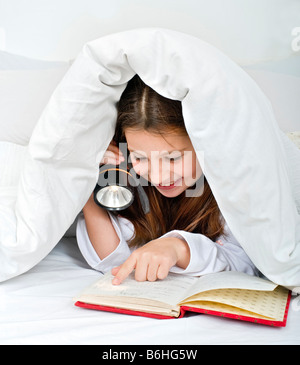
(138, 159)
(174, 159)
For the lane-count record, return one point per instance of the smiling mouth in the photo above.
(163, 185)
(166, 187)
(169, 186)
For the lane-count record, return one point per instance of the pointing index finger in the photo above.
(124, 270)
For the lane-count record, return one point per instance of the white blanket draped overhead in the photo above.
(249, 164)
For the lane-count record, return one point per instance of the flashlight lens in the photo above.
(114, 196)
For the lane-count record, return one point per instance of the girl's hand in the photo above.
(113, 155)
(154, 260)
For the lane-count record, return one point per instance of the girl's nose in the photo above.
(160, 173)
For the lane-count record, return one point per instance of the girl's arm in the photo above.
(209, 256)
(98, 226)
(122, 228)
(101, 232)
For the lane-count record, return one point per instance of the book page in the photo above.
(229, 280)
(270, 304)
(167, 291)
(224, 308)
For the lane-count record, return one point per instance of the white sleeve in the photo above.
(124, 230)
(208, 256)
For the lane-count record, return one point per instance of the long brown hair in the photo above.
(141, 108)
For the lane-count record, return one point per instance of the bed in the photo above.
(37, 306)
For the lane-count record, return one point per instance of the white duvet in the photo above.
(252, 168)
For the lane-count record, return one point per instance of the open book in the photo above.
(228, 294)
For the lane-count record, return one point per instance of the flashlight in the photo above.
(115, 189)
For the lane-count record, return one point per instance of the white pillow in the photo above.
(25, 88)
(12, 159)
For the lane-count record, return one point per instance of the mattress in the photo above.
(37, 308)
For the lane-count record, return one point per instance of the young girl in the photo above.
(181, 234)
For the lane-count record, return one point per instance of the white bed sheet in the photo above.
(37, 308)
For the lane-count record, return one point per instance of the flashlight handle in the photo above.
(143, 199)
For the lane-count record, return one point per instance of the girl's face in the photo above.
(169, 162)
